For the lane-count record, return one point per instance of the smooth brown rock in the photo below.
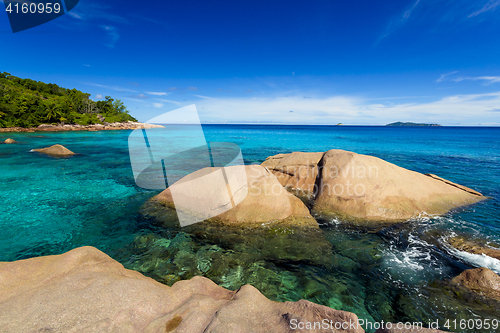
(475, 247)
(266, 201)
(368, 189)
(371, 189)
(296, 171)
(55, 150)
(9, 140)
(84, 290)
(479, 280)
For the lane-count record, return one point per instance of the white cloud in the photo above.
(75, 15)
(407, 14)
(201, 96)
(88, 11)
(157, 105)
(113, 35)
(115, 88)
(473, 109)
(489, 79)
(98, 96)
(490, 5)
(398, 22)
(141, 101)
(169, 101)
(161, 93)
(444, 77)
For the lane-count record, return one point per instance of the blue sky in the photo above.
(316, 62)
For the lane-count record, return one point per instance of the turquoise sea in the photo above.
(51, 205)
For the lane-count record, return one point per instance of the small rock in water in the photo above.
(55, 150)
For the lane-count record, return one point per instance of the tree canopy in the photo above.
(29, 103)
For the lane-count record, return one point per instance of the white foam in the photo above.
(412, 264)
(478, 260)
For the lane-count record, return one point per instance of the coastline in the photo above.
(96, 183)
(130, 125)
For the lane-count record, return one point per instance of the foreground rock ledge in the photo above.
(84, 290)
(366, 188)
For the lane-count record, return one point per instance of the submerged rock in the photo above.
(366, 188)
(84, 290)
(231, 256)
(266, 200)
(55, 150)
(475, 247)
(9, 140)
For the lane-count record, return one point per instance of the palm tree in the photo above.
(53, 112)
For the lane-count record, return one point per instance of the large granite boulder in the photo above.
(84, 290)
(366, 188)
(9, 140)
(481, 281)
(266, 200)
(55, 150)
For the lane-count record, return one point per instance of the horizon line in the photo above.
(336, 125)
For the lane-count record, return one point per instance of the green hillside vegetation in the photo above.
(29, 103)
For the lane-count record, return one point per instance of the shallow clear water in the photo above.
(51, 205)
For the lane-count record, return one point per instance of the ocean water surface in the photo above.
(51, 205)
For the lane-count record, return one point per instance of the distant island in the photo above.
(26, 103)
(410, 124)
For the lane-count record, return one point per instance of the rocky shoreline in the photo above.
(286, 193)
(130, 125)
(94, 293)
(84, 290)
